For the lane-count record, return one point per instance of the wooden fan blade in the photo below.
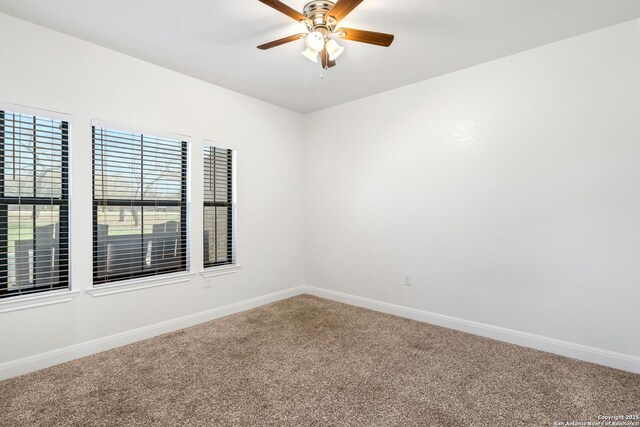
(331, 63)
(281, 41)
(342, 8)
(283, 8)
(362, 36)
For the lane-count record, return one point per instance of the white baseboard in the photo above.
(612, 359)
(54, 357)
(577, 351)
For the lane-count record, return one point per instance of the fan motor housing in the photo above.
(317, 11)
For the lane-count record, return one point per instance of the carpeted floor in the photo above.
(307, 361)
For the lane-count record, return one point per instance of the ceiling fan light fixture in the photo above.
(311, 55)
(321, 17)
(315, 41)
(334, 49)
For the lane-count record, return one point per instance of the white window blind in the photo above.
(218, 206)
(34, 204)
(139, 205)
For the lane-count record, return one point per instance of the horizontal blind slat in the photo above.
(139, 205)
(34, 199)
(218, 215)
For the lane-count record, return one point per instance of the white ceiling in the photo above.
(215, 40)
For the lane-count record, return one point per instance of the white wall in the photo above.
(510, 192)
(45, 69)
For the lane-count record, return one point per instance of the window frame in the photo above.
(63, 203)
(143, 277)
(231, 264)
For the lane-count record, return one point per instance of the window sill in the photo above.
(36, 300)
(220, 271)
(142, 283)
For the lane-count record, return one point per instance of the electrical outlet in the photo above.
(207, 283)
(407, 280)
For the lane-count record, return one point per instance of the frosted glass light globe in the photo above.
(315, 41)
(334, 49)
(311, 55)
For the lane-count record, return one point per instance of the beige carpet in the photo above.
(312, 362)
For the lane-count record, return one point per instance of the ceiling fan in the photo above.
(321, 18)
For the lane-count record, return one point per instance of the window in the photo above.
(218, 207)
(34, 204)
(139, 205)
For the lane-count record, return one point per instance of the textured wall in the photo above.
(509, 191)
(44, 69)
